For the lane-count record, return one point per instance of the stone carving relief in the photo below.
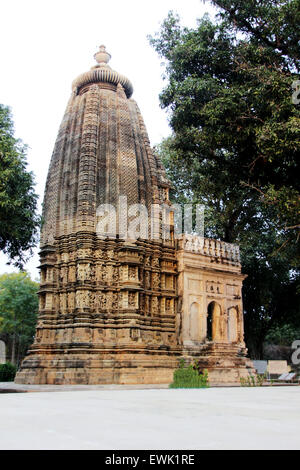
(83, 272)
(155, 281)
(132, 297)
(115, 277)
(155, 306)
(63, 303)
(214, 287)
(99, 272)
(147, 304)
(97, 302)
(115, 301)
(84, 253)
(65, 257)
(63, 275)
(82, 299)
(72, 273)
(132, 273)
(169, 282)
(147, 280)
(103, 299)
(71, 301)
(169, 305)
(99, 254)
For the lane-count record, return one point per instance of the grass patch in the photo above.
(253, 381)
(190, 377)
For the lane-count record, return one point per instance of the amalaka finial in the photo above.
(102, 57)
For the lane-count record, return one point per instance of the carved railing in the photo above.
(209, 247)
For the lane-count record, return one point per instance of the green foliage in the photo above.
(270, 291)
(18, 311)
(271, 23)
(283, 335)
(235, 144)
(189, 377)
(230, 107)
(253, 380)
(181, 363)
(7, 372)
(18, 201)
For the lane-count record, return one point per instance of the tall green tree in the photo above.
(230, 104)
(19, 221)
(235, 143)
(18, 312)
(270, 289)
(274, 24)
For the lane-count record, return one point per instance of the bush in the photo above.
(190, 377)
(7, 372)
(282, 335)
(253, 380)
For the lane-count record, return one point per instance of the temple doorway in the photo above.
(213, 329)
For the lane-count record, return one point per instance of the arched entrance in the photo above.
(213, 329)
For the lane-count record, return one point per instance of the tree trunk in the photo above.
(13, 350)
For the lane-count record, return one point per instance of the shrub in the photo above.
(7, 372)
(282, 335)
(190, 377)
(253, 381)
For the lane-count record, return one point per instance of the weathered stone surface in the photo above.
(114, 310)
(211, 312)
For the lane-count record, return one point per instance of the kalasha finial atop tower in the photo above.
(102, 57)
(102, 73)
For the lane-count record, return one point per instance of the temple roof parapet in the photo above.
(210, 247)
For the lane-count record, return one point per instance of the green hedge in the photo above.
(7, 372)
(190, 377)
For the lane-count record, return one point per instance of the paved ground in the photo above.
(110, 418)
(6, 387)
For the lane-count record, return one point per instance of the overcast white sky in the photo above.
(46, 44)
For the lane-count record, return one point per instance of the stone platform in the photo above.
(111, 419)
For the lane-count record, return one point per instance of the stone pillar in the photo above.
(216, 323)
(232, 325)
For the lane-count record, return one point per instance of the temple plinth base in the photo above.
(92, 369)
(226, 363)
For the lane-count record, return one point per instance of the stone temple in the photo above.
(117, 309)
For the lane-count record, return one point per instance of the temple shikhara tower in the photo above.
(114, 309)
